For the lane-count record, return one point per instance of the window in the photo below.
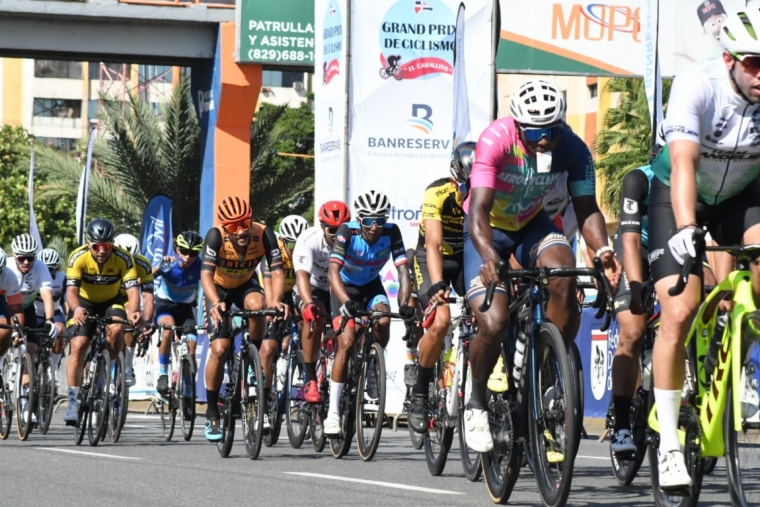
(57, 108)
(288, 78)
(155, 73)
(57, 69)
(593, 91)
(58, 142)
(110, 70)
(281, 79)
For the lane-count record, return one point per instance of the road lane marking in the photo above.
(99, 455)
(376, 483)
(593, 457)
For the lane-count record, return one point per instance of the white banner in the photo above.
(33, 229)
(401, 114)
(331, 62)
(652, 77)
(84, 183)
(462, 130)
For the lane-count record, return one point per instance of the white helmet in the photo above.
(49, 258)
(292, 226)
(24, 244)
(3, 259)
(537, 102)
(740, 32)
(372, 203)
(128, 242)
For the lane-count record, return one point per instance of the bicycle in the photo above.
(248, 389)
(712, 422)
(44, 386)
(392, 70)
(318, 411)
(537, 415)
(362, 401)
(297, 413)
(182, 373)
(8, 380)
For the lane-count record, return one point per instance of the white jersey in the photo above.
(38, 278)
(704, 108)
(9, 285)
(557, 202)
(312, 254)
(59, 286)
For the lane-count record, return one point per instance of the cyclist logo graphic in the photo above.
(598, 364)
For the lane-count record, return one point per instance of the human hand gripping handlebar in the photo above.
(373, 315)
(683, 277)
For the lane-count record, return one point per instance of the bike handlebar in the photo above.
(373, 316)
(269, 312)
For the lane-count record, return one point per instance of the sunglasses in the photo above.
(188, 253)
(25, 258)
(237, 228)
(330, 231)
(370, 221)
(751, 63)
(101, 246)
(535, 134)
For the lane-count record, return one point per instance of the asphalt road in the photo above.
(143, 469)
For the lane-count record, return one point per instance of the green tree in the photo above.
(280, 184)
(625, 142)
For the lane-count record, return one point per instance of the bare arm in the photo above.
(303, 282)
(336, 284)
(405, 285)
(481, 201)
(209, 289)
(684, 160)
(434, 248)
(47, 301)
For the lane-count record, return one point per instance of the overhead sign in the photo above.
(279, 32)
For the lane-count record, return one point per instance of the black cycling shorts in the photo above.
(368, 295)
(622, 301)
(5, 309)
(726, 222)
(30, 320)
(231, 297)
(112, 308)
(317, 295)
(183, 314)
(453, 274)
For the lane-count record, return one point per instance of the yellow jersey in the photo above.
(144, 273)
(442, 203)
(287, 266)
(101, 283)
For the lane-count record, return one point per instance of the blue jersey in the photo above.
(361, 262)
(634, 209)
(179, 285)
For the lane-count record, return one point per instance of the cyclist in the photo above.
(178, 278)
(10, 302)
(311, 295)
(505, 217)
(145, 273)
(437, 267)
(360, 251)
(52, 260)
(631, 246)
(96, 273)
(705, 175)
(229, 262)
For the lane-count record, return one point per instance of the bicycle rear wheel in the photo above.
(84, 408)
(187, 397)
(742, 457)
(370, 403)
(25, 397)
(275, 418)
(168, 417)
(625, 470)
(252, 400)
(576, 366)
(501, 466)
(296, 409)
(119, 399)
(471, 460)
(340, 445)
(97, 417)
(45, 396)
(437, 440)
(6, 403)
(552, 432)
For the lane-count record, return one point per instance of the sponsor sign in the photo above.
(279, 32)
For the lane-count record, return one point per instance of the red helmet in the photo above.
(334, 213)
(233, 209)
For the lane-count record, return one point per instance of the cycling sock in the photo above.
(310, 372)
(411, 355)
(336, 388)
(163, 364)
(267, 390)
(478, 396)
(73, 392)
(129, 353)
(423, 380)
(668, 406)
(56, 361)
(622, 412)
(212, 398)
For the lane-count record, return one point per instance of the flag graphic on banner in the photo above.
(156, 239)
(420, 6)
(84, 183)
(462, 130)
(33, 229)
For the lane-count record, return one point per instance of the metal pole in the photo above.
(346, 110)
(495, 37)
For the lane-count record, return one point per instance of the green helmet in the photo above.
(190, 240)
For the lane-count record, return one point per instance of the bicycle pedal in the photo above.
(71, 423)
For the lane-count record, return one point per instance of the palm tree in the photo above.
(625, 142)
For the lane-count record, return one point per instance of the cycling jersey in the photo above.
(287, 266)
(505, 165)
(100, 283)
(361, 262)
(38, 278)
(231, 270)
(144, 273)
(59, 281)
(312, 254)
(635, 204)
(559, 206)
(442, 203)
(704, 108)
(9, 286)
(178, 285)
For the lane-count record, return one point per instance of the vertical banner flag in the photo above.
(461, 102)
(84, 183)
(331, 64)
(156, 238)
(652, 79)
(33, 229)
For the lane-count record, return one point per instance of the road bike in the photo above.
(43, 391)
(392, 70)
(536, 412)
(8, 380)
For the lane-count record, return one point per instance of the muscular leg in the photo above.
(383, 326)
(484, 349)
(625, 365)
(75, 363)
(165, 350)
(563, 304)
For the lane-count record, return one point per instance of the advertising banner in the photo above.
(401, 114)
(156, 239)
(330, 88)
(279, 32)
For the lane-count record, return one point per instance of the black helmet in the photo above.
(100, 230)
(190, 240)
(462, 159)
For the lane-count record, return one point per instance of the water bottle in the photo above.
(646, 374)
(167, 265)
(282, 372)
(519, 356)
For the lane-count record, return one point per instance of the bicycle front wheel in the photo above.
(25, 397)
(471, 461)
(119, 398)
(576, 367)
(370, 403)
(552, 416)
(168, 417)
(45, 396)
(742, 457)
(437, 440)
(97, 417)
(187, 397)
(252, 401)
(296, 409)
(6, 403)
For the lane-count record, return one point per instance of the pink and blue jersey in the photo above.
(504, 164)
